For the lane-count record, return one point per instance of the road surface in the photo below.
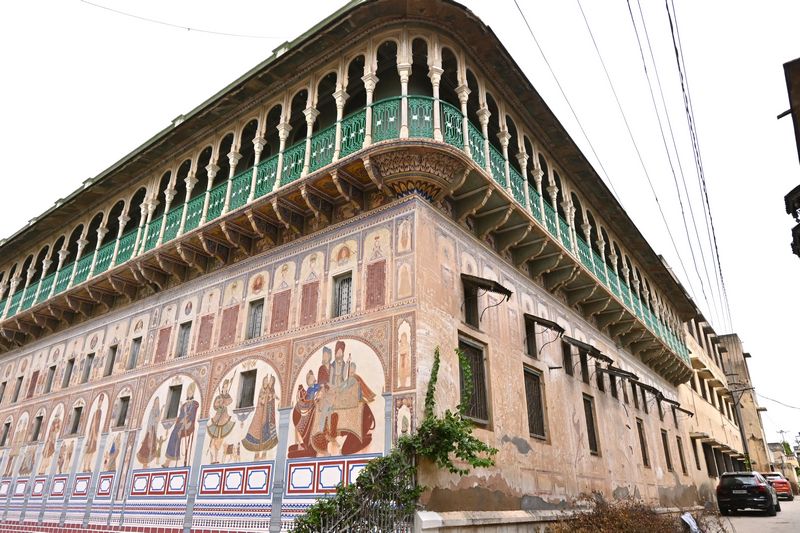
(788, 520)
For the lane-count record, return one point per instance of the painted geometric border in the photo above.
(170, 482)
(236, 480)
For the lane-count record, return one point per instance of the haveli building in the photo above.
(234, 318)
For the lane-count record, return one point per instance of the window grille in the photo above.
(254, 319)
(136, 346)
(478, 408)
(342, 296)
(173, 401)
(247, 389)
(612, 384)
(591, 430)
(533, 397)
(642, 442)
(635, 395)
(644, 400)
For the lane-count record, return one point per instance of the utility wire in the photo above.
(564, 94)
(678, 48)
(669, 156)
(171, 25)
(777, 401)
(636, 147)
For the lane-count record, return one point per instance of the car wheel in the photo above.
(791, 497)
(771, 510)
(724, 511)
(778, 507)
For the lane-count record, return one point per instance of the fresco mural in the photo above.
(404, 363)
(95, 422)
(15, 448)
(168, 439)
(242, 427)
(337, 408)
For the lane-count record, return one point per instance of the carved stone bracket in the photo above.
(432, 174)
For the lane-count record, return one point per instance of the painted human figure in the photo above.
(182, 436)
(404, 362)
(65, 456)
(324, 372)
(26, 466)
(338, 366)
(110, 461)
(303, 416)
(49, 448)
(148, 449)
(91, 439)
(221, 423)
(263, 432)
(14, 452)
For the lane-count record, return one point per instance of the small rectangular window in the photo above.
(635, 394)
(182, 348)
(87, 367)
(533, 397)
(17, 388)
(702, 383)
(665, 445)
(624, 386)
(48, 384)
(342, 294)
(478, 407)
(2, 390)
(612, 384)
(644, 401)
(76, 420)
(696, 455)
(566, 352)
(136, 345)
(247, 389)
(471, 315)
(32, 385)
(601, 382)
(255, 317)
(68, 373)
(173, 401)
(675, 416)
(122, 413)
(530, 337)
(37, 428)
(112, 359)
(584, 357)
(680, 455)
(660, 410)
(6, 430)
(591, 430)
(642, 442)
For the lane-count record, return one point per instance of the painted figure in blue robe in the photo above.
(262, 435)
(182, 436)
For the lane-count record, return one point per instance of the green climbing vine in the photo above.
(389, 483)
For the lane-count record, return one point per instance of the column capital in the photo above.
(341, 96)
(537, 172)
(191, 180)
(283, 130)
(483, 115)
(212, 170)
(370, 80)
(46, 264)
(62, 254)
(463, 93)
(311, 115)
(404, 70)
(102, 231)
(504, 136)
(435, 74)
(587, 231)
(522, 159)
(123, 219)
(552, 190)
(601, 243)
(234, 157)
(169, 194)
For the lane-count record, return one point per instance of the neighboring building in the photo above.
(749, 411)
(232, 320)
(716, 438)
(784, 463)
(792, 72)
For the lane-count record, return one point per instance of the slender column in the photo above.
(283, 134)
(82, 242)
(3, 289)
(522, 158)
(77, 456)
(569, 210)
(234, 158)
(123, 219)
(370, 81)
(552, 190)
(601, 243)
(504, 137)
(587, 234)
(62, 256)
(483, 117)
(150, 207)
(101, 448)
(538, 174)
(14, 283)
(28, 278)
(45, 265)
(435, 74)
(404, 70)
(169, 194)
(258, 147)
(102, 231)
(191, 181)
(311, 115)
(211, 170)
(341, 97)
(463, 97)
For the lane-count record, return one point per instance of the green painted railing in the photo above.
(323, 144)
(353, 130)
(600, 268)
(550, 219)
(266, 174)
(3, 306)
(293, 160)
(452, 125)
(30, 294)
(62, 280)
(104, 256)
(152, 233)
(536, 207)
(566, 234)
(517, 185)
(46, 287)
(240, 188)
(126, 244)
(584, 253)
(15, 300)
(216, 200)
(498, 165)
(386, 119)
(82, 268)
(476, 145)
(613, 282)
(420, 116)
(194, 212)
(173, 223)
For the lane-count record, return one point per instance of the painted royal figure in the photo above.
(148, 449)
(182, 436)
(263, 432)
(91, 438)
(221, 424)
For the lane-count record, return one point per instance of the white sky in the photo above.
(84, 86)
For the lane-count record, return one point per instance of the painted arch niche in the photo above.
(337, 406)
(169, 425)
(243, 420)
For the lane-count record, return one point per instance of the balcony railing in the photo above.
(386, 125)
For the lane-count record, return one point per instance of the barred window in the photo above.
(681, 456)
(584, 357)
(247, 389)
(478, 408)
(601, 382)
(182, 347)
(696, 455)
(471, 315)
(530, 336)
(342, 291)
(635, 395)
(535, 403)
(591, 430)
(566, 351)
(665, 445)
(642, 442)
(255, 317)
(612, 383)
(136, 346)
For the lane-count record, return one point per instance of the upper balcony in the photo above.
(439, 143)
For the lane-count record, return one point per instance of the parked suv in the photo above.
(780, 484)
(741, 490)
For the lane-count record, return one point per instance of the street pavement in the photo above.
(788, 520)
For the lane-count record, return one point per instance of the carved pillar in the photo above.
(150, 207)
(522, 158)
(233, 159)
(14, 283)
(435, 74)
(62, 256)
(341, 98)
(504, 137)
(483, 117)
(194, 473)
(123, 220)
(404, 70)
(191, 181)
(601, 243)
(280, 469)
(82, 242)
(370, 81)
(283, 133)
(463, 97)
(102, 231)
(169, 194)
(311, 115)
(258, 147)
(211, 170)
(46, 262)
(587, 234)
(538, 174)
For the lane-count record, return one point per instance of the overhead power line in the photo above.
(572, 109)
(777, 401)
(636, 148)
(179, 26)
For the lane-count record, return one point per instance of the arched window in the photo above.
(273, 141)
(513, 145)
(112, 222)
(388, 77)
(91, 235)
(494, 121)
(559, 196)
(135, 210)
(24, 273)
(473, 101)
(326, 103)
(246, 148)
(297, 119)
(224, 164)
(594, 234)
(419, 83)
(161, 195)
(72, 244)
(356, 94)
(201, 174)
(40, 257)
(449, 82)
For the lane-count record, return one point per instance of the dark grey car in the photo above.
(746, 490)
